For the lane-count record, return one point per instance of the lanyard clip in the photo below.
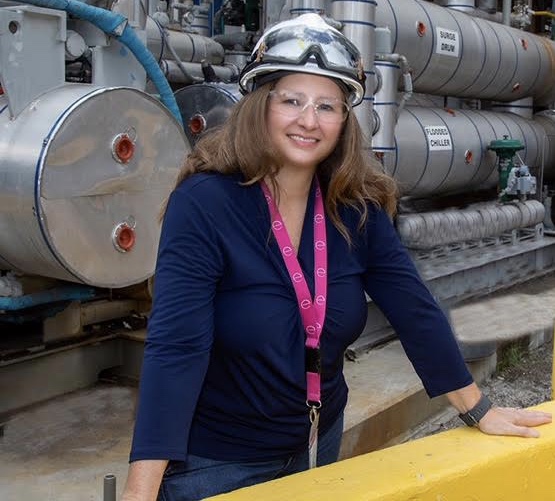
(314, 413)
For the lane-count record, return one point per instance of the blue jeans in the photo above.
(199, 478)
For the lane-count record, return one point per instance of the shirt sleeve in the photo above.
(394, 284)
(180, 328)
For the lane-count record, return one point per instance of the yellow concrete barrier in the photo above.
(456, 465)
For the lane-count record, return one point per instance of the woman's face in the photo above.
(305, 116)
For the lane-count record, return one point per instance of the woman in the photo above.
(277, 227)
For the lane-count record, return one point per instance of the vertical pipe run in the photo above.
(507, 12)
(359, 24)
(299, 7)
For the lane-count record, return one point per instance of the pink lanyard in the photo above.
(312, 312)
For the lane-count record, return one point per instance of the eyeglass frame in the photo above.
(309, 102)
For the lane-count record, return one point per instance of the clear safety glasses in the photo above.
(294, 104)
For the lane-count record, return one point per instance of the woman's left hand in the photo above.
(514, 422)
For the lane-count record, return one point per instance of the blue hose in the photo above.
(116, 25)
(66, 293)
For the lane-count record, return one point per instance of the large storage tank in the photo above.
(83, 172)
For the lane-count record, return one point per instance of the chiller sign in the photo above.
(447, 42)
(438, 137)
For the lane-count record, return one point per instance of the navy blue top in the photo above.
(223, 374)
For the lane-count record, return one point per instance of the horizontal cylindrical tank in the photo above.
(434, 151)
(547, 120)
(205, 105)
(83, 172)
(454, 54)
(441, 151)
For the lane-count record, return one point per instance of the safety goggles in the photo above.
(300, 44)
(294, 104)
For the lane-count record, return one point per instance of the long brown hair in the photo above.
(349, 176)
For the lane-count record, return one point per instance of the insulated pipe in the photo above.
(174, 74)
(489, 6)
(116, 25)
(462, 5)
(188, 47)
(299, 7)
(489, 220)
(358, 20)
(458, 55)
(507, 12)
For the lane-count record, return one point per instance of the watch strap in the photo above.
(473, 416)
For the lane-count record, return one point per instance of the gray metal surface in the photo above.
(20, 377)
(64, 194)
(442, 151)
(547, 120)
(22, 30)
(455, 54)
(431, 229)
(359, 23)
(472, 272)
(189, 47)
(208, 104)
(386, 105)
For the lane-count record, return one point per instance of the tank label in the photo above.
(438, 137)
(447, 42)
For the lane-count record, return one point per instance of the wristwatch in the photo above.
(473, 416)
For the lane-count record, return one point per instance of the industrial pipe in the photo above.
(116, 25)
(507, 12)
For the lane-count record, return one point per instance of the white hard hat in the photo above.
(306, 44)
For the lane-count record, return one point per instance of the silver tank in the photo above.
(439, 152)
(205, 105)
(454, 54)
(83, 172)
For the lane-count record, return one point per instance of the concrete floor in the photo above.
(62, 449)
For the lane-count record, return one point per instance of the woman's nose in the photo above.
(308, 115)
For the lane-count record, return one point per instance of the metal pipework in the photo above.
(387, 106)
(489, 220)
(440, 152)
(358, 19)
(193, 72)
(458, 55)
(188, 47)
(487, 5)
(462, 5)
(507, 12)
(299, 7)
